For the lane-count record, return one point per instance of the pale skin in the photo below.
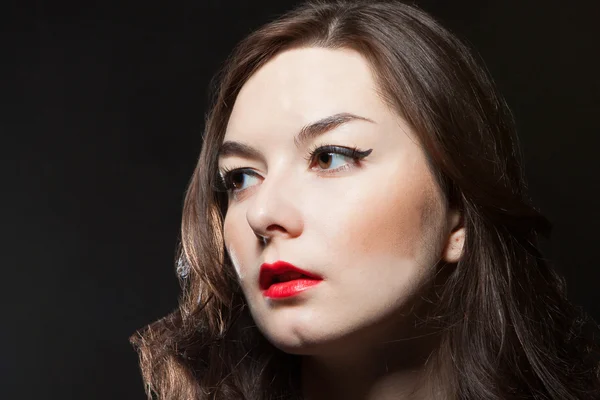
(374, 231)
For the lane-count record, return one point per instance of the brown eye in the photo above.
(325, 156)
(328, 161)
(233, 181)
(236, 180)
(324, 160)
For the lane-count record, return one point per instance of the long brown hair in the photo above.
(508, 328)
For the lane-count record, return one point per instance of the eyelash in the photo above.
(224, 180)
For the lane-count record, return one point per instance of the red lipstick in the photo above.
(282, 279)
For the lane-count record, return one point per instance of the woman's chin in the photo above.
(296, 345)
(310, 343)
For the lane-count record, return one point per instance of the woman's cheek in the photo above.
(399, 222)
(236, 263)
(233, 241)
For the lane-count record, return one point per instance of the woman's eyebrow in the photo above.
(307, 133)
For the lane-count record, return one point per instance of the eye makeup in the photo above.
(226, 181)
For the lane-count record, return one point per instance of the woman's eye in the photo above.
(329, 159)
(235, 180)
(325, 157)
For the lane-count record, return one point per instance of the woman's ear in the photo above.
(456, 238)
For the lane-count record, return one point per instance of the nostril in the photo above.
(262, 239)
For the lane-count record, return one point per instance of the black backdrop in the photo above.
(102, 108)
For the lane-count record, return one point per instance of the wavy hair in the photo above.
(508, 329)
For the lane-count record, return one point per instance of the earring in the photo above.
(183, 268)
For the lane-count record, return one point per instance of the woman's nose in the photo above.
(274, 209)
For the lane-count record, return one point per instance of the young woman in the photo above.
(358, 227)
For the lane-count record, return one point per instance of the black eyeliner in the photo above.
(224, 183)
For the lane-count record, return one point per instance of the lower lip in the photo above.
(290, 288)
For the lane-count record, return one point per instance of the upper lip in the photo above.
(268, 272)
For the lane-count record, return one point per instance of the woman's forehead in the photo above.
(302, 85)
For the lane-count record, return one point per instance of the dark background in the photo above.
(102, 110)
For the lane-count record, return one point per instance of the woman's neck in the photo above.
(397, 369)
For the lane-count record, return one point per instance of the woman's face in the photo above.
(372, 229)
